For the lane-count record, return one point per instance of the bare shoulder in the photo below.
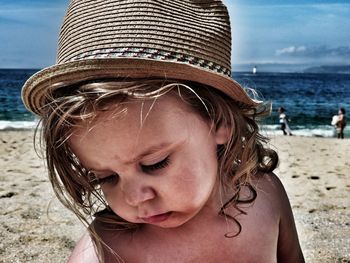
(270, 186)
(272, 190)
(84, 251)
(271, 195)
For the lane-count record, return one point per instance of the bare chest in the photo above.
(207, 241)
(210, 245)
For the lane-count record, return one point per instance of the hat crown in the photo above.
(185, 40)
(195, 32)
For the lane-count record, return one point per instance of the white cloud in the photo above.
(292, 50)
(322, 51)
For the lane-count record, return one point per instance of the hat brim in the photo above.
(35, 88)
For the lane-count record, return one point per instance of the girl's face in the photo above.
(156, 164)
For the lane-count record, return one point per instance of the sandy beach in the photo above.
(315, 172)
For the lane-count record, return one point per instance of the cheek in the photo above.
(116, 201)
(193, 186)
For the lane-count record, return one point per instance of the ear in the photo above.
(222, 134)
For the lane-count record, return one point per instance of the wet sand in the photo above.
(315, 171)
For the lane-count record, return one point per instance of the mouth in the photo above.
(156, 218)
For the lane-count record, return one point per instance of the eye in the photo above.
(111, 180)
(157, 166)
(95, 180)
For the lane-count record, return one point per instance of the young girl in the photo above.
(152, 144)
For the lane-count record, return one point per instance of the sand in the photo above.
(315, 171)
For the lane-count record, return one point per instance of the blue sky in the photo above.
(312, 32)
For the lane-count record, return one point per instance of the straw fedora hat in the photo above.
(170, 39)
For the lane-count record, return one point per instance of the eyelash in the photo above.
(111, 179)
(114, 178)
(157, 166)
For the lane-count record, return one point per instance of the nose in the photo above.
(137, 193)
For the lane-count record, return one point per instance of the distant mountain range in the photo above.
(292, 68)
(344, 69)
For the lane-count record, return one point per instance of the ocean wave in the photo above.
(313, 131)
(17, 125)
(266, 130)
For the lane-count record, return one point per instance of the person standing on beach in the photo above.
(341, 123)
(152, 144)
(284, 120)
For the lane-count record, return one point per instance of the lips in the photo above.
(156, 218)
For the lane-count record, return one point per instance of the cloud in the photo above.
(292, 50)
(315, 51)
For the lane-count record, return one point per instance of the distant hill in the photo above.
(344, 69)
(270, 67)
(292, 68)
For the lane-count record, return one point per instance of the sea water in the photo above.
(13, 114)
(311, 100)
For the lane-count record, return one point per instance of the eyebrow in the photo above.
(151, 150)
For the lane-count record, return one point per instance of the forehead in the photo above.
(141, 124)
(140, 112)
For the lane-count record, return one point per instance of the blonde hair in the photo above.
(239, 160)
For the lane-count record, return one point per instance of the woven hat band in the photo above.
(188, 31)
(146, 53)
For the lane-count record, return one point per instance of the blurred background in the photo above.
(294, 53)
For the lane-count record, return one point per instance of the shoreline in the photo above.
(314, 170)
(269, 130)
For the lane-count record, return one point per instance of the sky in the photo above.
(285, 32)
